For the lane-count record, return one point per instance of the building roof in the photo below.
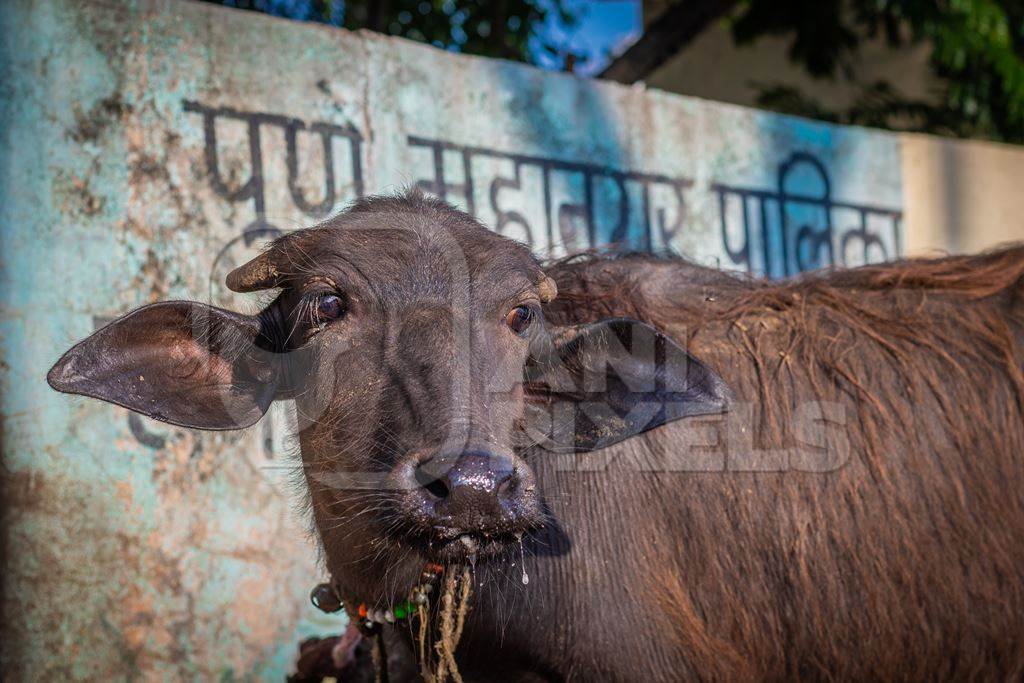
(664, 37)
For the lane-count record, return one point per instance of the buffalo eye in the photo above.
(519, 319)
(329, 307)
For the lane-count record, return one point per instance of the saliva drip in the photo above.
(522, 560)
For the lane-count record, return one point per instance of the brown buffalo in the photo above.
(657, 471)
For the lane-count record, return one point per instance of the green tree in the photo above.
(977, 50)
(509, 29)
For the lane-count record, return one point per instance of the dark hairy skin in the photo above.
(829, 482)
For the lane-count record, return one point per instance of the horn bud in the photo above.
(259, 273)
(547, 289)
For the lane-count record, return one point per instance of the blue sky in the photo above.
(605, 27)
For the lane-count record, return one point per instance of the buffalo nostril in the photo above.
(433, 484)
(507, 485)
(437, 488)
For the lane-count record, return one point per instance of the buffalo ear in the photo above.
(590, 386)
(180, 362)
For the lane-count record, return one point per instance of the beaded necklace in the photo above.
(327, 598)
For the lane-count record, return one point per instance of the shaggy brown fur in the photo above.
(907, 561)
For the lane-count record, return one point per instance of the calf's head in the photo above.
(414, 344)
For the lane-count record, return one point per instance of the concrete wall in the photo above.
(961, 196)
(147, 147)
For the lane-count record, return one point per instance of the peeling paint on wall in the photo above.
(150, 146)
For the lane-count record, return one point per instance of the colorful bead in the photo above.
(362, 610)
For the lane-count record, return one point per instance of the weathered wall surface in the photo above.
(961, 196)
(147, 147)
